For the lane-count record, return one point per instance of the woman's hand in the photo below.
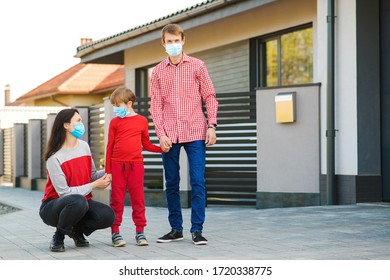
(103, 182)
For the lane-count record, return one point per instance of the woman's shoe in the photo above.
(57, 242)
(79, 239)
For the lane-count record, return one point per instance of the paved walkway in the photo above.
(353, 232)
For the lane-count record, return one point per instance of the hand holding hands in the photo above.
(103, 182)
(165, 144)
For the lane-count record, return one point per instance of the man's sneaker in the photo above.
(198, 238)
(174, 235)
(117, 240)
(140, 238)
(79, 239)
(57, 242)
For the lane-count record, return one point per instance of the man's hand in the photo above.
(211, 137)
(165, 144)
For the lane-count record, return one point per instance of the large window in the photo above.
(282, 59)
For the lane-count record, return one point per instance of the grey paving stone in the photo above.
(347, 232)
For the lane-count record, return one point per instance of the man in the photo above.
(179, 86)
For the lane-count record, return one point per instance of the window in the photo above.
(282, 59)
(142, 81)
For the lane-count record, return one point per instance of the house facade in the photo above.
(330, 64)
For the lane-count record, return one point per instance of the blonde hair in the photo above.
(172, 28)
(122, 94)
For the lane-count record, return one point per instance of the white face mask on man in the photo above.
(174, 49)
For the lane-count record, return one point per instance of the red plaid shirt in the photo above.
(177, 93)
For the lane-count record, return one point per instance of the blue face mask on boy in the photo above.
(121, 112)
(78, 130)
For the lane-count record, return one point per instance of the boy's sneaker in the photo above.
(117, 240)
(140, 238)
(57, 242)
(198, 238)
(174, 235)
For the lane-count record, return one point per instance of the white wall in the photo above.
(288, 153)
(345, 84)
(9, 115)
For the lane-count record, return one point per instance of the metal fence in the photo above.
(8, 166)
(25, 157)
(231, 167)
(153, 161)
(43, 147)
(96, 134)
(231, 164)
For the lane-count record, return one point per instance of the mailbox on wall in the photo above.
(285, 111)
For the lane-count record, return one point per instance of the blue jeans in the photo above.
(196, 153)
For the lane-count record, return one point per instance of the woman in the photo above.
(71, 176)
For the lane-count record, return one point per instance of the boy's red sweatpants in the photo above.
(128, 176)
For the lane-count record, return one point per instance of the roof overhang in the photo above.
(111, 49)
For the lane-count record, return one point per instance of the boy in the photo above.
(128, 134)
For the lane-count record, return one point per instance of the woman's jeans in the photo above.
(75, 211)
(196, 153)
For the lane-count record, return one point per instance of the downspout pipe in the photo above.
(330, 107)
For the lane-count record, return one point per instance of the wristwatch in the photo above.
(213, 126)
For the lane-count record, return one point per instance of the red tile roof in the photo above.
(80, 79)
(113, 80)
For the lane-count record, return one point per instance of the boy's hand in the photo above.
(166, 150)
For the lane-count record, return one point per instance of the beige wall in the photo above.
(266, 19)
(71, 100)
(224, 45)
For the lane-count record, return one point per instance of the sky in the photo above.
(39, 38)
